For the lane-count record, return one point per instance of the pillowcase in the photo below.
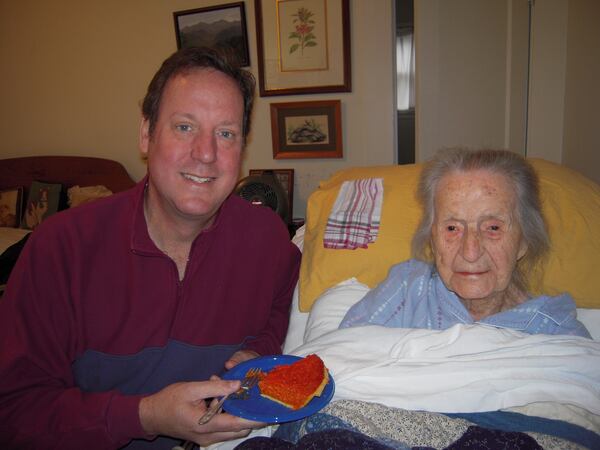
(42, 202)
(591, 319)
(11, 203)
(571, 205)
(331, 307)
(323, 268)
(79, 195)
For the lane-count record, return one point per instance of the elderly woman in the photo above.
(482, 233)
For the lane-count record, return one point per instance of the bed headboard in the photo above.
(67, 170)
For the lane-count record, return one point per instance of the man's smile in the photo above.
(197, 179)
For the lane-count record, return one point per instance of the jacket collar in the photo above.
(140, 238)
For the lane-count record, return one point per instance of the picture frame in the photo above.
(303, 46)
(218, 27)
(11, 207)
(43, 201)
(310, 129)
(284, 176)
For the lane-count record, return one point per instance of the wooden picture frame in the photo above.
(11, 207)
(303, 46)
(307, 129)
(43, 201)
(218, 27)
(285, 177)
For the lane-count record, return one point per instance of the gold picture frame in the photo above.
(303, 46)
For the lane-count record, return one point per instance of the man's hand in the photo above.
(174, 411)
(240, 356)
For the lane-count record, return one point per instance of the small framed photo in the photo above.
(217, 27)
(285, 177)
(11, 203)
(42, 202)
(307, 129)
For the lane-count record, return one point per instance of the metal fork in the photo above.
(248, 383)
(250, 380)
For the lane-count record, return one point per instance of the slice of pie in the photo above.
(294, 385)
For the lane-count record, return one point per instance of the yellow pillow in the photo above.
(571, 206)
(323, 268)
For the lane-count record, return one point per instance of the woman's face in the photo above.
(476, 238)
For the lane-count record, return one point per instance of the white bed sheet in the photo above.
(466, 368)
(309, 332)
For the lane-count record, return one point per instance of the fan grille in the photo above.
(260, 194)
(265, 190)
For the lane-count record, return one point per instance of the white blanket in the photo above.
(467, 368)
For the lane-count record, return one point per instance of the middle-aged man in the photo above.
(118, 312)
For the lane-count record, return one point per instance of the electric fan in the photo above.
(266, 190)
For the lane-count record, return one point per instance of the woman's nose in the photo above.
(471, 246)
(204, 148)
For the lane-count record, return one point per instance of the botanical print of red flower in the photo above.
(304, 24)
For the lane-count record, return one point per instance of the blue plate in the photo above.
(261, 409)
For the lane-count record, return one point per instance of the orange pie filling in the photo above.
(294, 385)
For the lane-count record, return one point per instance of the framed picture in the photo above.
(219, 27)
(42, 202)
(303, 46)
(307, 129)
(11, 202)
(285, 177)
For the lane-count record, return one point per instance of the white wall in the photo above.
(581, 137)
(470, 71)
(547, 79)
(464, 72)
(74, 72)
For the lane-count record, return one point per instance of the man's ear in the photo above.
(144, 138)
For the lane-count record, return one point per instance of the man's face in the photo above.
(476, 237)
(194, 154)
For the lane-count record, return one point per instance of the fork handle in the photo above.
(212, 411)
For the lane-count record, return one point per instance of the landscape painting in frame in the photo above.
(217, 27)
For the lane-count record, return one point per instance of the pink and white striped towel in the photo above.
(356, 215)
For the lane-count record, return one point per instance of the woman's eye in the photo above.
(452, 228)
(493, 229)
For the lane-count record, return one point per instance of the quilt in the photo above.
(351, 424)
(475, 384)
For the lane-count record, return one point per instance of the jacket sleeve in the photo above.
(286, 268)
(40, 406)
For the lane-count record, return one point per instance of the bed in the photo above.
(77, 179)
(465, 387)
